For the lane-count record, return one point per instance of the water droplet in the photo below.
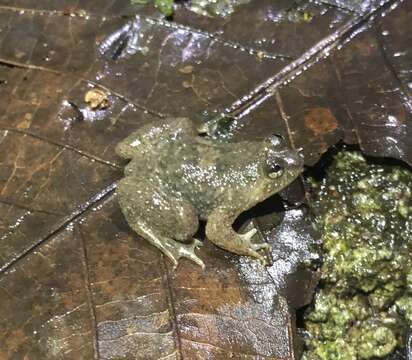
(399, 53)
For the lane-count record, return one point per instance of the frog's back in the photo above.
(207, 173)
(157, 151)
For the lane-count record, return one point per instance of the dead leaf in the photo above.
(75, 280)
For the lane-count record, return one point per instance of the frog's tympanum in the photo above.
(176, 177)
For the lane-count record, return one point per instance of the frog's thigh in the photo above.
(160, 219)
(146, 205)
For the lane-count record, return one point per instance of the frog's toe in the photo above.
(253, 250)
(260, 246)
(196, 260)
(266, 260)
(185, 250)
(197, 243)
(188, 251)
(249, 235)
(175, 262)
(258, 256)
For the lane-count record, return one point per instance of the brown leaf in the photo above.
(75, 280)
(366, 94)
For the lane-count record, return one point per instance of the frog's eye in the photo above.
(275, 170)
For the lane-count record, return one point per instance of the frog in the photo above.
(177, 177)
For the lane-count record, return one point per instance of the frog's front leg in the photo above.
(166, 221)
(219, 230)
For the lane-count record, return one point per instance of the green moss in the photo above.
(164, 6)
(373, 339)
(337, 350)
(364, 213)
(298, 15)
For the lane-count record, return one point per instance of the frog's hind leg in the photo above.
(166, 221)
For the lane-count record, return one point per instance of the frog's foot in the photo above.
(219, 230)
(176, 250)
(262, 258)
(252, 249)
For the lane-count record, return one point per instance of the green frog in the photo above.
(176, 177)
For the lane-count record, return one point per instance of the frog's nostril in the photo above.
(290, 160)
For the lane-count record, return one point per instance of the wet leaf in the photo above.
(360, 94)
(75, 79)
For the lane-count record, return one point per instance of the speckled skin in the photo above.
(176, 177)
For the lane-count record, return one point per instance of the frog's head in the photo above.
(281, 165)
